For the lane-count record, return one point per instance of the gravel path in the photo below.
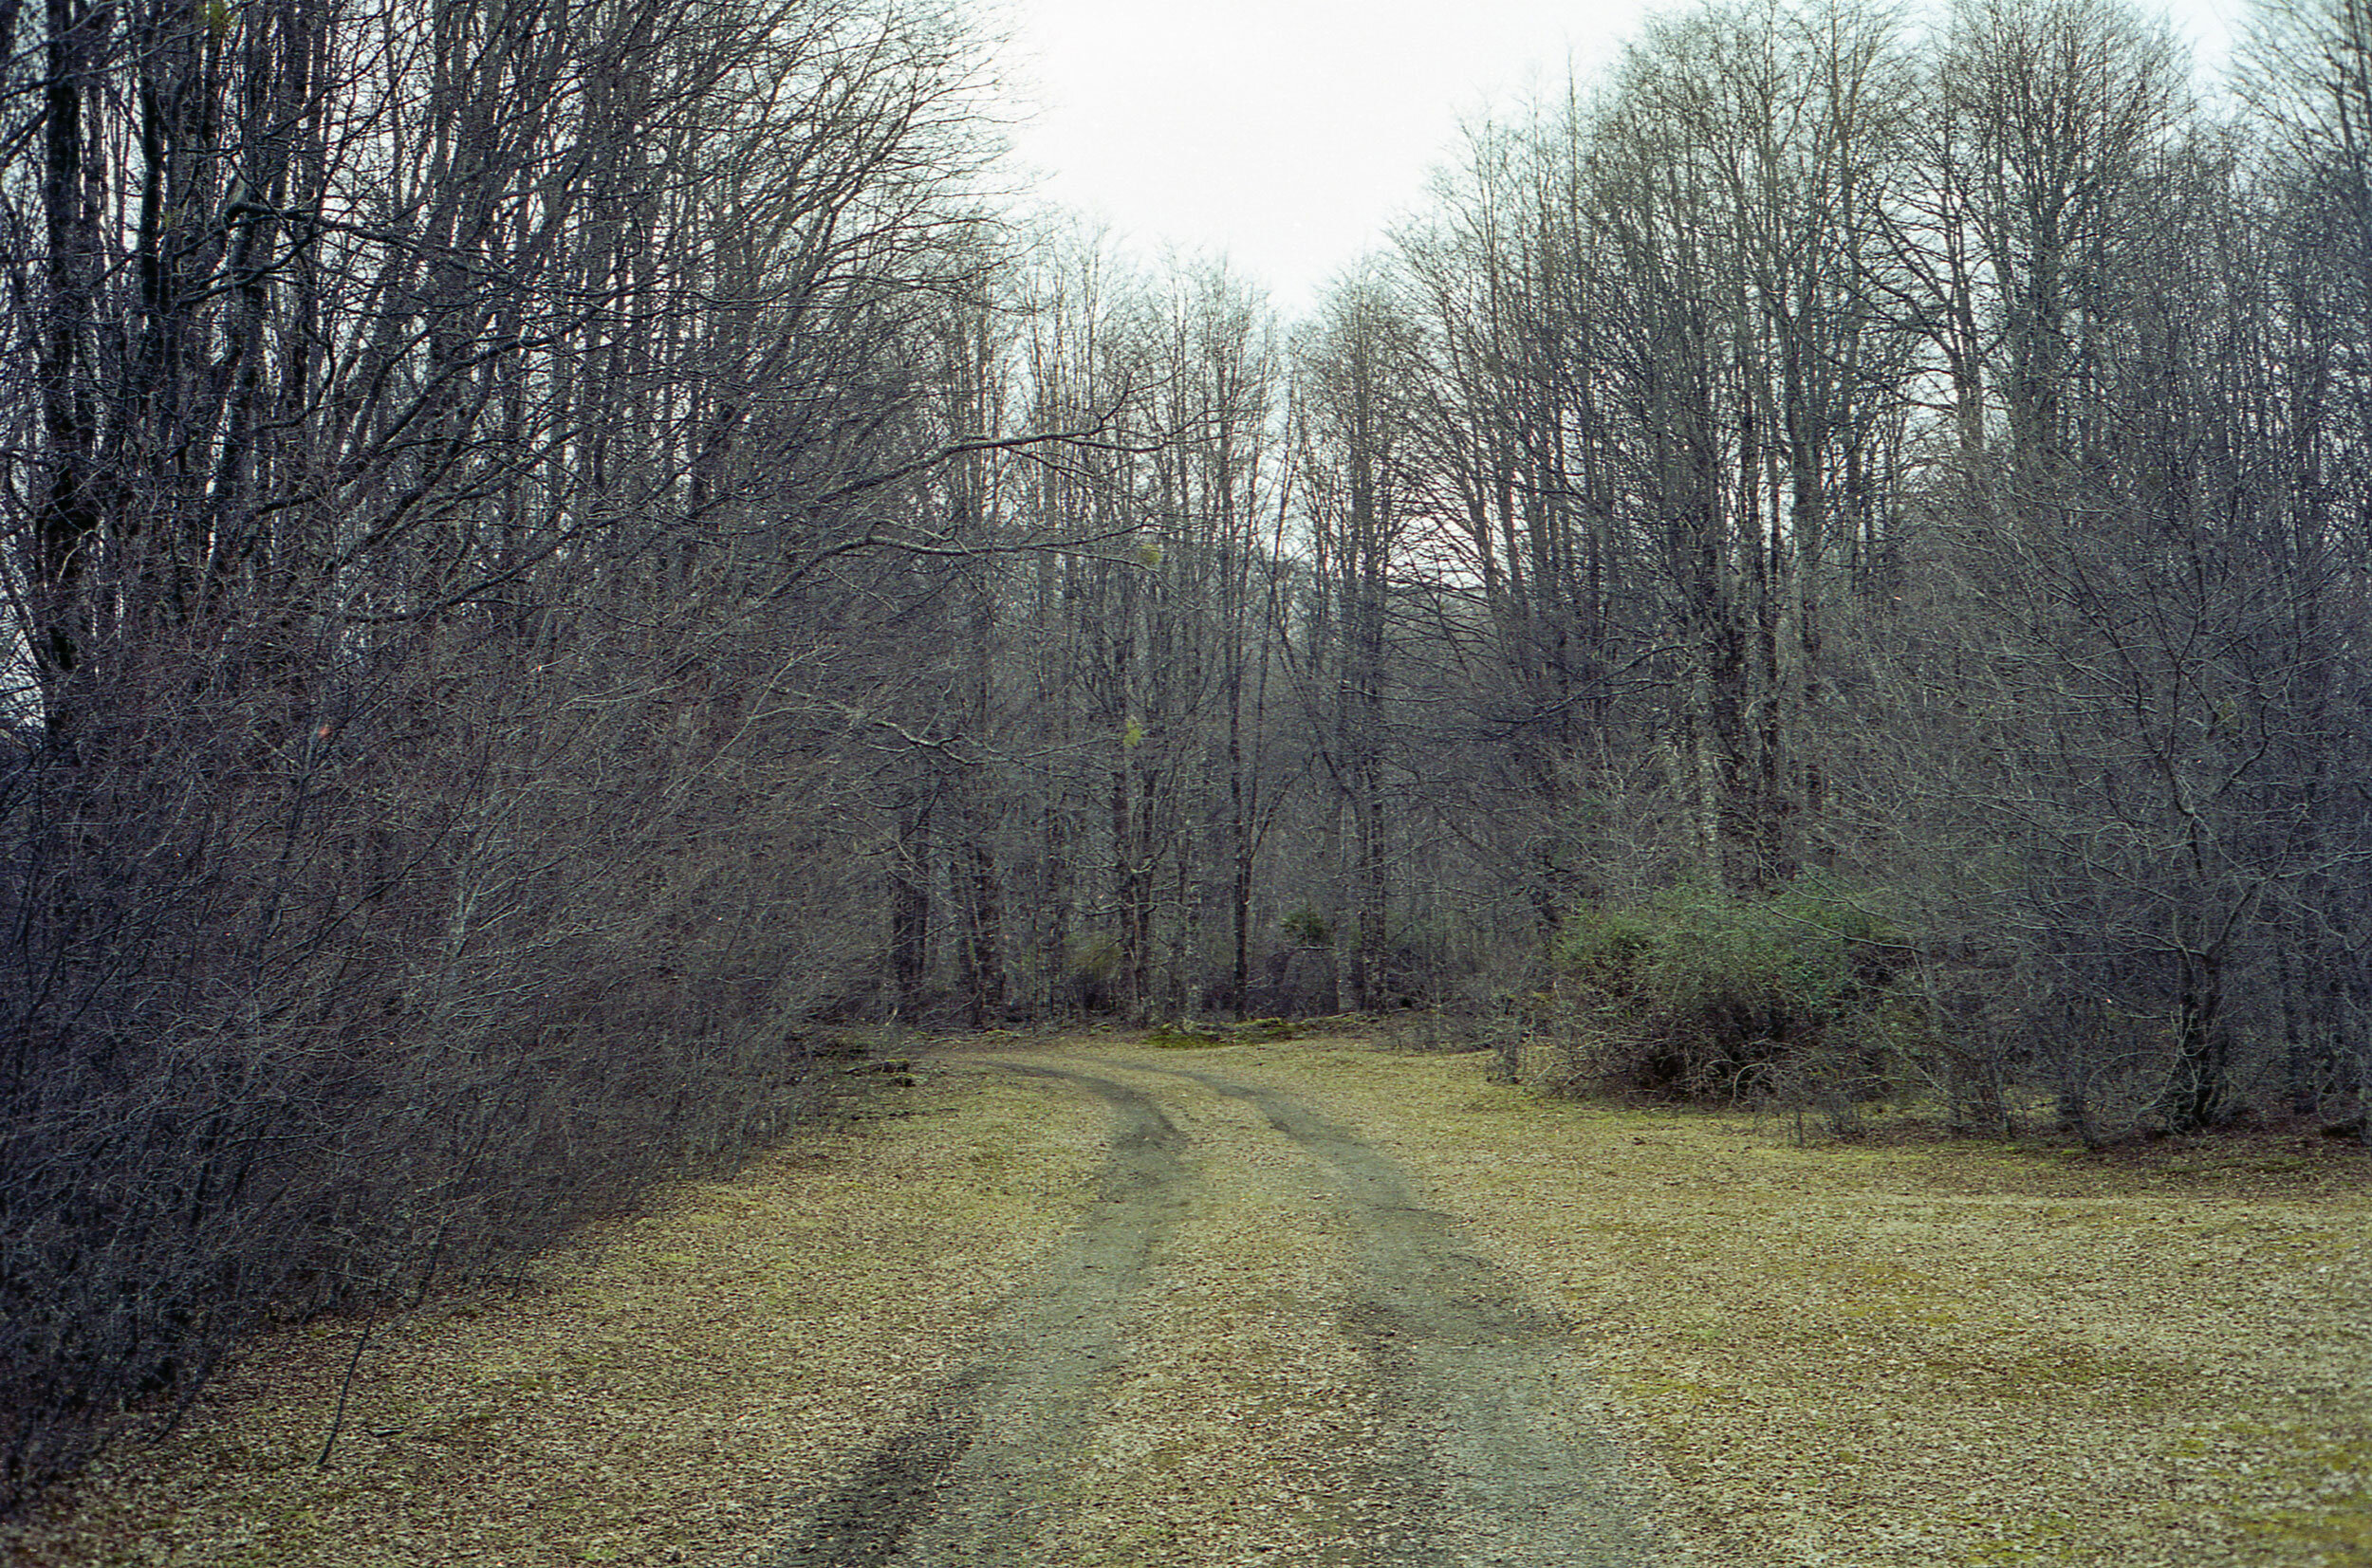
(1450, 1442)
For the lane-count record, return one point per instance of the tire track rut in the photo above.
(972, 1478)
(1478, 1460)
(1471, 1449)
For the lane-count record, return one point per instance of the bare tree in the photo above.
(434, 433)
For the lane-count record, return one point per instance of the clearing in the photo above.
(1092, 1303)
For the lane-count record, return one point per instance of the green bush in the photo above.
(1306, 928)
(1706, 995)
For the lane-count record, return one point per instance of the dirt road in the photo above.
(1091, 1302)
(1398, 1400)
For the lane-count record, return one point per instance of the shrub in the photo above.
(1306, 928)
(1710, 996)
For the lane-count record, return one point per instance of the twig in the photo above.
(344, 1388)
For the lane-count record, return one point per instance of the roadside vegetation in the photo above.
(659, 1390)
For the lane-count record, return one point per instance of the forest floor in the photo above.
(1090, 1301)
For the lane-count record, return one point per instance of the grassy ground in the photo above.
(672, 1391)
(1936, 1353)
(1888, 1352)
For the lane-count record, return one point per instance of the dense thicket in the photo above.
(440, 437)
(553, 550)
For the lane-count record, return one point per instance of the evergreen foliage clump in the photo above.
(1710, 996)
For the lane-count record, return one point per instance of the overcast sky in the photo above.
(1287, 134)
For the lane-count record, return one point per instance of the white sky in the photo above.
(1287, 135)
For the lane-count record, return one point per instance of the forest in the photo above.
(558, 555)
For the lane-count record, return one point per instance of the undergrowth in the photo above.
(1787, 1001)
